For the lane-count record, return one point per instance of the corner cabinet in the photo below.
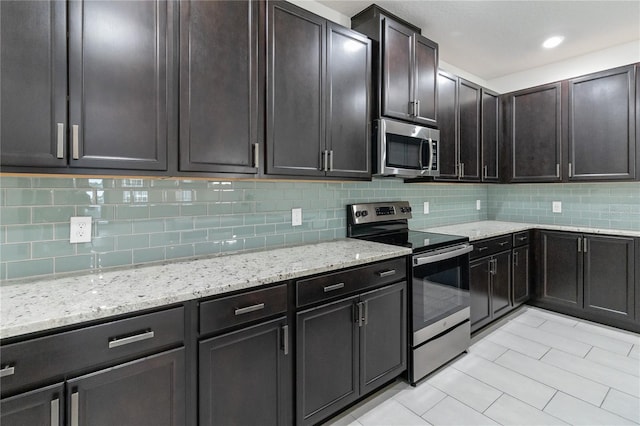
(220, 102)
(318, 96)
(118, 87)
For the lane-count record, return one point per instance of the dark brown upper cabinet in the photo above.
(533, 140)
(601, 124)
(406, 68)
(117, 62)
(318, 96)
(33, 96)
(490, 141)
(220, 106)
(459, 106)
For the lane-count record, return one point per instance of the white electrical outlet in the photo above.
(296, 217)
(80, 229)
(556, 206)
(426, 207)
(478, 204)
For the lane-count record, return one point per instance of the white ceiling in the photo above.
(491, 39)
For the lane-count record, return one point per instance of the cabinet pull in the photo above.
(365, 308)
(76, 145)
(460, 170)
(504, 243)
(412, 108)
(131, 339)
(75, 408)
(515, 258)
(584, 244)
(60, 148)
(331, 160)
(7, 370)
(522, 238)
(482, 248)
(558, 170)
(256, 155)
(494, 266)
(359, 314)
(252, 308)
(417, 104)
(55, 412)
(570, 170)
(333, 287)
(579, 244)
(285, 339)
(486, 171)
(386, 273)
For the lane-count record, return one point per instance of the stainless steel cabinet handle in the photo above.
(412, 108)
(331, 160)
(55, 412)
(75, 409)
(333, 287)
(461, 170)
(417, 108)
(515, 258)
(131, 339)
(256, 155)
(570, 170)
(386, 273)
(579, 244)
(252, 308)
(584, 244)
(486, 171)
(360, 310)
(7, 370)
(482, 248)
(557, 170)
(60, 148)
(75, 130)
(523, 238)
(366, 312)
(285, 339)
(504, 243)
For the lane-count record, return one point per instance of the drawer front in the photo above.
(343, 283)
(37, 360)
(234, 310)
(491, 246)
(521, 238)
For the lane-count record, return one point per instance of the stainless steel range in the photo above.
(439, 273)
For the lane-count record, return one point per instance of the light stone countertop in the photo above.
(493, 228)
(27, 307)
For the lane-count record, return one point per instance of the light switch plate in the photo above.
(426, 207)
(556, 206)
(296, 217)
(80, 229)
(478, 204)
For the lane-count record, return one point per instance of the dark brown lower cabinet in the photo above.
(561, 268)
(347, 348)
(148, 391)
(38, 407)
(490, 288)
(244, 376)
(521, 274)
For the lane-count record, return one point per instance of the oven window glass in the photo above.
(403, 152)
(439, 290)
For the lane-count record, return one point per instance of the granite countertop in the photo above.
(28, 307)
(494, 228)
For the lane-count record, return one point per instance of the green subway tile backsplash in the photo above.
(139, 221)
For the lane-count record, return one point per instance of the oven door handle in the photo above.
(431, 258)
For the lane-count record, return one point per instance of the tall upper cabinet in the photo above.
(220, 105)
(406, 69)
(118, 64)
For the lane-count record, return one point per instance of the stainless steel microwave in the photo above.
(405, 150)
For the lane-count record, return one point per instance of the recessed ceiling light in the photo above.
(552, 42)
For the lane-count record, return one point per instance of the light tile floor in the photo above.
(534, 368)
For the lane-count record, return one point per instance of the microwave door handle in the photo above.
(430, 163)
(432, 258)
(420, 154)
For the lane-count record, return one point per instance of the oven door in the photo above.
(440, 291)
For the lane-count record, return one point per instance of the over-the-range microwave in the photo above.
(405, 150)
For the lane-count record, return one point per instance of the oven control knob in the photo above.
(365, 213)
(408, 209)
(358, 213)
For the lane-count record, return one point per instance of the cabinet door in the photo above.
(601, 125)
(501, 284)
(561, 268)
(383, 344)
(148, 391)
(219, 104)
(448, 124)
(33, 83)
(327, 357)
(295, 90)
(521, 276)
(425, 80)
(609, 276)
(534, 134)
(348, 103)
(490, 132)
(480, 293)
(469, 98)
(39, 407)
(118, 82)
(397, 70)
(244, 376)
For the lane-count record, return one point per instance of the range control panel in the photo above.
(378, 212)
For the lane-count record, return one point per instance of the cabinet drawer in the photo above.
(342, 283)
(61, 354)
(521, 238)
(491, 246)
(229, 311)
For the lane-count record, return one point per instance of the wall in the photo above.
(139, 221)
